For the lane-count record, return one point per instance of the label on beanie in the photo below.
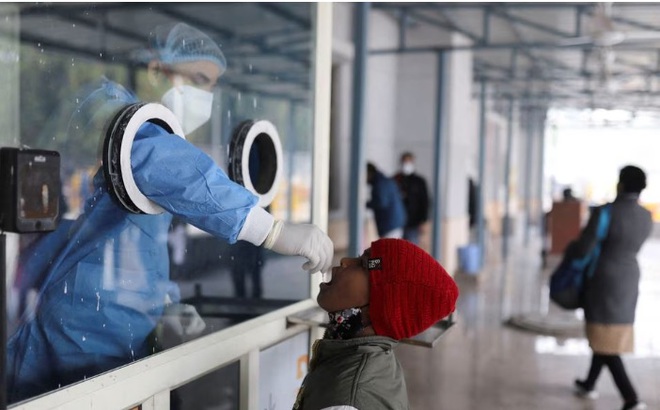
(374, 264)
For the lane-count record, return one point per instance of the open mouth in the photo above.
(326, 277)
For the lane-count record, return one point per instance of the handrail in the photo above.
(316, 317)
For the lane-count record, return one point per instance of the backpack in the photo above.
(567, 280)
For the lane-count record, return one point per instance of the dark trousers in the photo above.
(615, 364)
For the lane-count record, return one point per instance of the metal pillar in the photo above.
(507, 182)
(356, 201)
(481, 236)
(437, 159)
(291, 148)
(528, 172)
(541, 139)
(403, 24)
(3, 322)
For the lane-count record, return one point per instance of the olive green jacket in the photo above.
(362, 373)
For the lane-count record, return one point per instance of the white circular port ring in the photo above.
(260, 129)
(157, 114)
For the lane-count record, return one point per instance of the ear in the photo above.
(154, 72)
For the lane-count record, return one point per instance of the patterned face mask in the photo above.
(344, 324)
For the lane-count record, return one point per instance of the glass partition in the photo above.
(109, 287)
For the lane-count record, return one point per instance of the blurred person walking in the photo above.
(610, 296)
(386, 203)
(415, 198)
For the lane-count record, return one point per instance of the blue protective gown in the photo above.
(104, 277)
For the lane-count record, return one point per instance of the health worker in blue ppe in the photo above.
(103, 278)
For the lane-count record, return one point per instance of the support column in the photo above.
(529, 143)
(437, 159)
(291, 148)
(356, 197)
(481, 235)
(506, 231)
(541, 138)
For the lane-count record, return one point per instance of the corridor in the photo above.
(482, 363)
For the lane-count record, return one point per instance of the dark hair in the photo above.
(632, 179)
(371, 172)
(407, 154)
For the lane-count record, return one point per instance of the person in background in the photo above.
(393, 291)
(611, 293)
(415, 197)
(103, 279)
(386, 203)
(567, 195)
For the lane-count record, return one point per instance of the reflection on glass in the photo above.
(218, 390)
(108, 287)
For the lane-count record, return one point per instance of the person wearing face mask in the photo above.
(415, 197)
(103, 279)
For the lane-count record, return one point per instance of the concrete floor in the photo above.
(481, 363)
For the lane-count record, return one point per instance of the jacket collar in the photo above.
(627, 197)
(326, 349)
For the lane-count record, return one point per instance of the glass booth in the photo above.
(184, 326)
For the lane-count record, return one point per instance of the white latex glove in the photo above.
(305, 240)
(183, 319)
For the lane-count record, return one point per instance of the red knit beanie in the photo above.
(409, 290)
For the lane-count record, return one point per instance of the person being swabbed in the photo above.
(103, 279)
(394, 291)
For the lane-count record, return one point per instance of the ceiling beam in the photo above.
(513, 46)
(447, 25)
(478, 5)
(505, 14)
(287, 15)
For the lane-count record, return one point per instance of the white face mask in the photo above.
(191, 106)
(408, 168)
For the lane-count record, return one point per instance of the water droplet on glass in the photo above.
(73, 25)
(250, 67)
(77, 100)
(232, 258)
(254, 102)
(101, 55)
(238, 96)
(82, 300)
(84, 338)
(66, 287)
(104, 325)
(98, 301)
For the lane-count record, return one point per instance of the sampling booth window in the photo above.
(92, 87)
